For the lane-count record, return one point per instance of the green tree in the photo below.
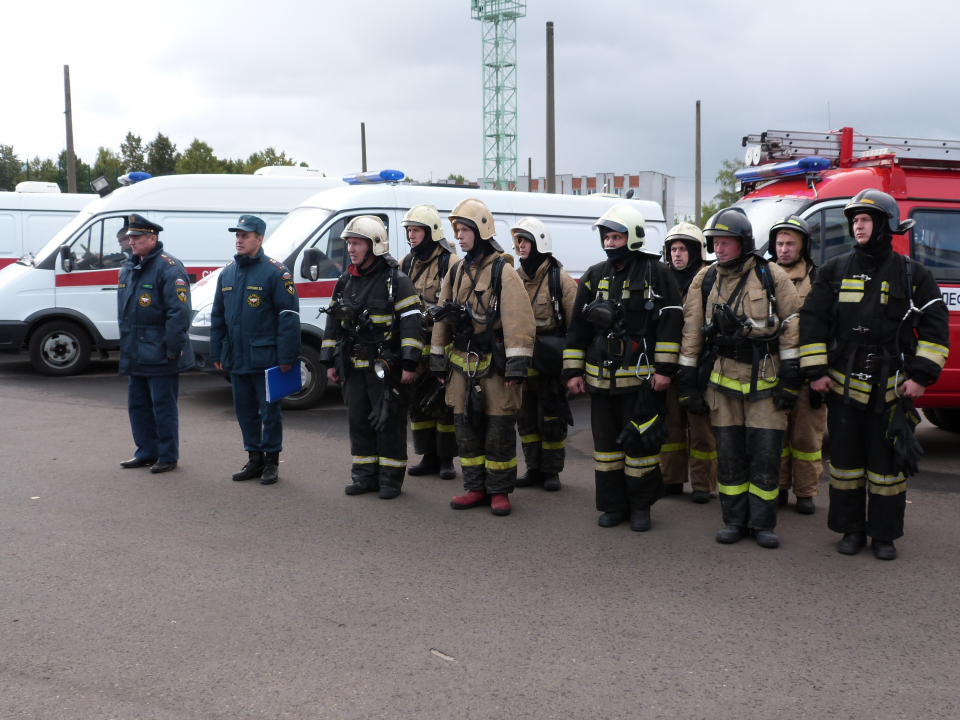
(109, 164)
(198, 158)
(43, 170)
(728, 194)
(10, 168)
(162, 156)
(457, 179)
(267, 158)
(82, 173)
(233, 167)
(131, 150)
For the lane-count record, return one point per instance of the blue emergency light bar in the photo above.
(374, 176)
(134, 177)
(801, 166)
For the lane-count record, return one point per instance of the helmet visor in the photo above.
(610, 225)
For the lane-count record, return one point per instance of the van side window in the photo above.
(836, 236)
(334, 247)
(935, 242)
(97, 247)
(816, 239)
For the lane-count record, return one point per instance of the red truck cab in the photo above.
(922, 175)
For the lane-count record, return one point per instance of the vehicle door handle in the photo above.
(109, 289)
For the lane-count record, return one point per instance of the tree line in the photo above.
(157, 157)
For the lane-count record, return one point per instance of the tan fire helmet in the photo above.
(371, 228)
(532, 229)
(477, 216)
(624, 219)
(690, 235)
(427, 217)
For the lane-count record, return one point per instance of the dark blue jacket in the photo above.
(255, 322)
(153, 308)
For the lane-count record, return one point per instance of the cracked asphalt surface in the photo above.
(186, 595)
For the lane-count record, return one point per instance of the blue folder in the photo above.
(281, 384)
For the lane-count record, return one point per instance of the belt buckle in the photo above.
(863, 377)
(861, 329)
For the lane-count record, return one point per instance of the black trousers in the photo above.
(623, 483)
(431, 436)
(488, 457)
(867, 491)
(379, 458)
(544, 437)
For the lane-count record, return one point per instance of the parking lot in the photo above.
(186, 595)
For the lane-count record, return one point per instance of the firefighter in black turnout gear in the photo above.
(874, 335)
(623, 345)
(372, 343)
(739, 362)
(431, 420)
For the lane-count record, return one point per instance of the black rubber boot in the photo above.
(271, 469)
(730, 534)
(884, 550)
(673, 489)
(783, 498)
(447, 470)
(358, 489)
(428, 465)
(610, 519)
(640, 520)
(253, 468)
(387, 492)
(700, 497)
(530, 477)
(768, 539)
(852, 543)
(805, 506)
(551, 482)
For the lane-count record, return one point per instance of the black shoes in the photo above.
(551, 482)
(805, 506)
(730, 534)
(852, 543)
(610, 519)
(162, 467)
(447, 470)
(530, 477)
(358, 489)
(700, 497)
(388, 493)
(428, 465)
(253, 468)
(783, 498)
(883, 550)
(767, 539)
(138, 462)
(271, 468)
(673, 489)
(640, 520)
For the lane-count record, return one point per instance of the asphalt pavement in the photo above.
(186, 595)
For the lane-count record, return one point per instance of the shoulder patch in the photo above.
(287, 276)
(179, 281)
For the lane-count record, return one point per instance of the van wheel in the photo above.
(314, 377)
(60, 347)
(944, 418)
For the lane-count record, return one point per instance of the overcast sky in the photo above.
(301, 75)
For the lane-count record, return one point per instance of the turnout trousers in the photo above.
(543, 437)
(623, 483)
(379, 458)
(802, 463)
(431, 436)
(749, 445)
(868, 493)
(261, 423)
(152, 406)
(690, 449)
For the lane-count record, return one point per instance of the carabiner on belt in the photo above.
(763, 369)
(646, 362)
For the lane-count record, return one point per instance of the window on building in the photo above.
(935, 241)
(576, 191)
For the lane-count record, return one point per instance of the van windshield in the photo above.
(296, 227)
(57, 240)
(764, 212)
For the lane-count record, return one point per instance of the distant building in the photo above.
(647, 185)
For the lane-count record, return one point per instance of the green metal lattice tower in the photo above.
(498, 20)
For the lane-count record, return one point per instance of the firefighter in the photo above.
(431, 419)
(744, 309)
(372, 343)
(801, 465)
(874, 335)
(481, 348)
(622, 347)
(544, 412)
(690, 450)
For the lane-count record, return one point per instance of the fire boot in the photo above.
(388, 492)
(551, 482)
(700, 497)
(767, 539)
(640, 519)
(783, 497)
(530, 477)
(356, 488)
(471, 499)
(673, 489)
(884, 550)
(610, 519)
(852, 543)
(500, 504)
(805, 506)
(253, 468)
(730, 534)
(447, 470)
(428, 465)
(271, 469)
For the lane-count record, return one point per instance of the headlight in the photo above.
(203, 316)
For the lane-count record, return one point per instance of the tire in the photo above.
(944, 418)
(314, 381)
(60, 348)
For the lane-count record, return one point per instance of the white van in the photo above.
(32, 215)
(319, 221)
(60, 310)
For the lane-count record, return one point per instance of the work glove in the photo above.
(788, 386)
(901, 421)
(816, 400)
(645, 433)
(553, 399)
(434, 402)
(385, 407)
(473, 406)
(688, 394)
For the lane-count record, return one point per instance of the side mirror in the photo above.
(66, 258)
(310, 268)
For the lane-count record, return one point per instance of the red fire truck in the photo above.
(814, 175)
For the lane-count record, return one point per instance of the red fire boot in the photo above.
(500, 504)
(471, 499)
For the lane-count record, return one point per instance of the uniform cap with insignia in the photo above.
(139, 225)
(250, 223)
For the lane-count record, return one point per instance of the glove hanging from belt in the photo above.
(644, 434)
(688, 391)
(385, 407)
(901, 420)
(434, 403)
(473, 406)
(788, 388)
(553, 400)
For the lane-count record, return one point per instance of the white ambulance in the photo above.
(61, 301)
(33, 214)
(319, 222)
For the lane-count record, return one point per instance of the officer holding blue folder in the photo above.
(255, 325)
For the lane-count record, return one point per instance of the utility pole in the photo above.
(551, 137)
(697, 182)
(71, 159)
(363, 145)
(529, 174)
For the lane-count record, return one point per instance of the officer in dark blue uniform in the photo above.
(255, 325)
(153, 309)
